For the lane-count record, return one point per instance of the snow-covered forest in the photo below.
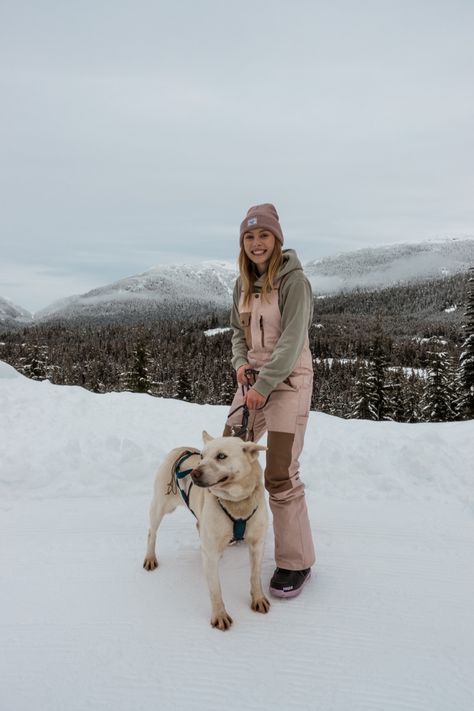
(404, 353)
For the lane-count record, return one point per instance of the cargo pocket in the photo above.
(300, 431)
(245, 324)
(302, 421)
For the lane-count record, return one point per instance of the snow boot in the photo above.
(288, 583)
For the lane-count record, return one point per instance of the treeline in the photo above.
(364, 366)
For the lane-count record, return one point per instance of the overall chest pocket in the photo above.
(245, 318)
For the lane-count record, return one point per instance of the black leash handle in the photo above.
(251, 375)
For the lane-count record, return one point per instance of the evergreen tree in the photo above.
(396, 397)
(323, 402)
(362, 408)
(438, 397)
(34, 362)
(138, 379)
(94, 380)
(378, 401)
(183, 385)
(412, 398)
(465, 405)
(228, 386)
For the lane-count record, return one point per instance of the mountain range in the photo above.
(187, 288)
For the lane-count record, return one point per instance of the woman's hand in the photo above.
(254, 400)
(241, 377)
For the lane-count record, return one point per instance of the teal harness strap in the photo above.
(240, 524)
(181, 475)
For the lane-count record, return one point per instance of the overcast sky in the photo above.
(138, 133)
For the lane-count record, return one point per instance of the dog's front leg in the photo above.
(259, 602)
(220, 618)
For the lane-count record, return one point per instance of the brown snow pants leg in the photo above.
(285, 417)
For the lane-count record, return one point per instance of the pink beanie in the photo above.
(264, 216)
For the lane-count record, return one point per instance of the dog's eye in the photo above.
(221, 455)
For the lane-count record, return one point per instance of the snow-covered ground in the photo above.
(386, 623)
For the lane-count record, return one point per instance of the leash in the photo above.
(239, 431)
(242, 429)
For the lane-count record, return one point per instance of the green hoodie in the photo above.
(295, 299)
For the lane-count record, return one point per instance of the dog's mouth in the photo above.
(221, 481)
(204, 485)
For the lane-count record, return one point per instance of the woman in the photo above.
(272, 311)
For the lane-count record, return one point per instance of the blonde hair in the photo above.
(249, 274)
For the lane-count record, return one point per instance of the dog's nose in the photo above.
(196, 473)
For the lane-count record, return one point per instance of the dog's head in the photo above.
(227, 466)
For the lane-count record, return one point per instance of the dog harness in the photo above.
(240, 524)
(184, 486)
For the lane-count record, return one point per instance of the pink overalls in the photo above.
(284, 416)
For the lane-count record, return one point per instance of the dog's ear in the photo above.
(206, 437)
(253, 449)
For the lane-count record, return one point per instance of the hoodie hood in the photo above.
(290, 264)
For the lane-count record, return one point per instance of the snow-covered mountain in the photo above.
(11, 314)
(188, 289)
(159, 289)
(385, 266)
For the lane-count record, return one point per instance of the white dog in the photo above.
(222, 486)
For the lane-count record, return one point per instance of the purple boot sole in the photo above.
(289, 593)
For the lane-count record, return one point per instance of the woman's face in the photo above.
(258, 246)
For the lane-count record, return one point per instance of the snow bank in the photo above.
(8, 372)
(67, 441)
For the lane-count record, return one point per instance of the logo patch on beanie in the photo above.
(252, 221)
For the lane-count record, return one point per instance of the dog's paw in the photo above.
(222, 621)
(260, 604)
(150, 563)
